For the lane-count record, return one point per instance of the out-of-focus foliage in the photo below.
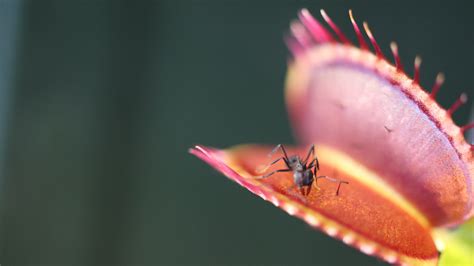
(459, 246)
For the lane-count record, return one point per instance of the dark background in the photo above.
(101, 100)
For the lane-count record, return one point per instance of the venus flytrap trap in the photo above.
(408, 166)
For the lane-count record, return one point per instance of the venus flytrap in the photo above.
(409, 168)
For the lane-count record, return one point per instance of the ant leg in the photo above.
(333, 180)
(285, 157)
(296, 194)
(315, 170)
(311, 164)
(310, 151)
(302, 191)
(315, 181)
(339, 186)
(270, 164)
(309, 188)
(274, 162)
(276, 171)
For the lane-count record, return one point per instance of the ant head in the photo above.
(299, 166)
(295, 163)
(293, 160)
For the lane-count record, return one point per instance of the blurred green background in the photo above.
(100, 101)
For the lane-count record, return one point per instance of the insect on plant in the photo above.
(395, 194)
(304, 173)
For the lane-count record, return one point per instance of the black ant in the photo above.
(302, 174)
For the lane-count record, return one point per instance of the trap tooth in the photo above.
(311, 220)
(390, 258)
(275, 201)
(348, 239)
(437, 85)
(367, 249)
(417, 65)
(460, 101)
(290, 208)
(318, 32)
(331, 231)
(376, 46)
(360, 37)
(334, 27)
(396, 57)
(300, 34)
